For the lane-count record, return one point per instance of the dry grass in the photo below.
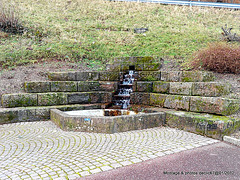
(83, 30)
(9, 21)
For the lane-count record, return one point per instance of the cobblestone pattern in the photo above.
(40, 150)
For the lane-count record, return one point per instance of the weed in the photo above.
(9, 20)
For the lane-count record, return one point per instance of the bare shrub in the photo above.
(228, 35)
(9, 20)
(218, 57)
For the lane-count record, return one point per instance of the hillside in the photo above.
(93, 31)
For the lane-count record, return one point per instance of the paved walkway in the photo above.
(40, 150)
(218, 161)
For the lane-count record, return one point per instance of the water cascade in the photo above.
(125, 88)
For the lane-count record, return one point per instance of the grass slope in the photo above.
(92, 30)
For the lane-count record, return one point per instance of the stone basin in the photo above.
(106, 120)
(101, 112)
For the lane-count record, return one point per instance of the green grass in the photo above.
(96, 30)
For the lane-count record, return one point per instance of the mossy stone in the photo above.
(19, 100)
(64, 86)
(37, 87)
(49, 99)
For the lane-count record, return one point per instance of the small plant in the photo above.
(9, 21)
(218, 57)
(228, 35)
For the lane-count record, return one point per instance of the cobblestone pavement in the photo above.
(40, 150)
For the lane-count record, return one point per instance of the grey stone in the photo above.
(215, 105)
(177, 102)
(181, 88)
(64, 86)
(144, 86)
(85, 86)
(161, 86)
(35, 87)
(19, 100)
(210, 89)
(87, 76)
(62, 76)
(49, 99)
(78, 98)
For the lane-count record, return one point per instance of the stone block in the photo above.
(64, 86)
(37, 87)
(8, 116)
(62, 76)
(22, 115)
(139, 67)
(140, 98)
(181, 88)
(113, 67)
(152, 66)
(214, 105)
(210, 89)
(185, 121)
(109, 76)
(157, 99)
(49, 99)
(164, 76)
(149, 76)
(144, 86)
(42, 113)
(87, 76)
(135, 60)
(161, 86)
(174, 76)
(108, 86)
(31, 114)
(197, 76)
(19, 100)
(177, 102)
(85, 86)
(100, 97)
(79, 98)
(205, 124)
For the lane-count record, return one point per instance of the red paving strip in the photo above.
(220, 161)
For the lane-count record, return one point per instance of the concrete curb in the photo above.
(232, 140)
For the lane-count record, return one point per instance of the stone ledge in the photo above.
(231, 140)
(187, 76)
(69, 86)
(26, 114)
(55, 98)
(205, 124)
(208, 89)
(214, 105)
(107, 124)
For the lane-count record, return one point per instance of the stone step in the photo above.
(26, 114)
(171, 76)
(134, 63)
(208, 89)
(55, 98)
(69, 86)
(200, 123)
(214, 105)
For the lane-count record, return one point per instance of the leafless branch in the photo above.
(228, 35)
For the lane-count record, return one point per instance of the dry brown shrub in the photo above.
(218, 57)
(9, 20)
